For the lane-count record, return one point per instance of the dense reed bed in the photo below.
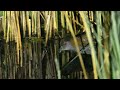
(31, 43)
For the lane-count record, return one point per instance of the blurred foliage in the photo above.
(46, 29)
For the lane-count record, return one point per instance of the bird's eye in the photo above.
(64, 43)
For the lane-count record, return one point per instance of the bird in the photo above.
(67, 44)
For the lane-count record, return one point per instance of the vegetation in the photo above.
(36, 37)
(1, 13)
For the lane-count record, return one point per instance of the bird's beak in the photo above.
(60, 50)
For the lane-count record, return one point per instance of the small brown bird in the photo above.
(67, 44)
